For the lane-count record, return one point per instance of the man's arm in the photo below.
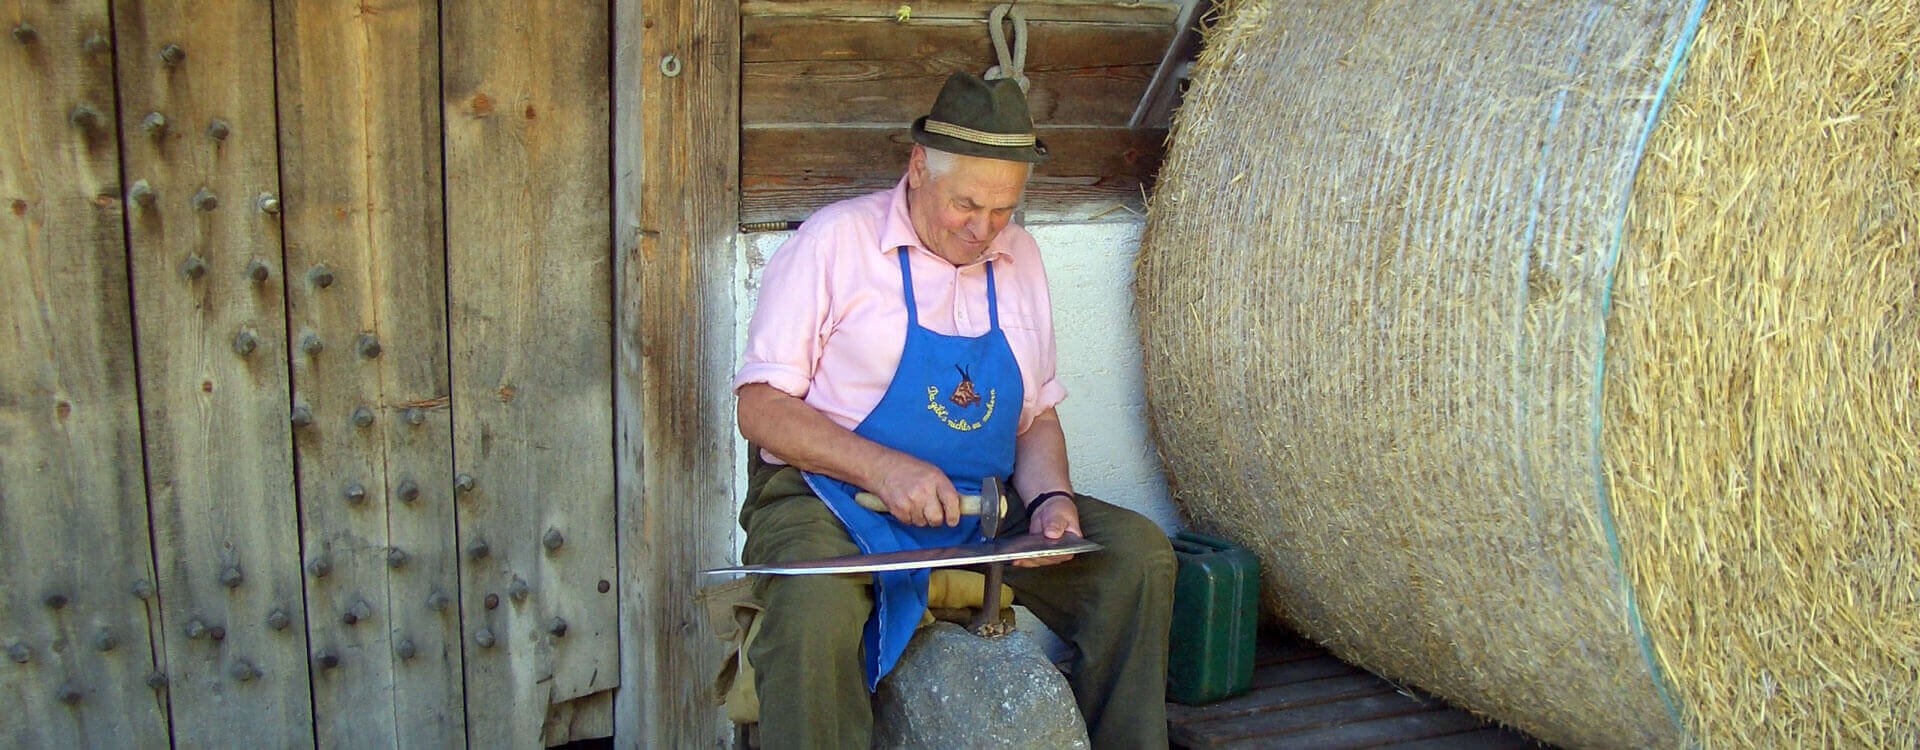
(1039, 467)
(916, 492)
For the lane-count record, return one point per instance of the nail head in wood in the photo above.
(69, 695)
(217, 633)
(354, 492)
(362, 416)
(415, 415)
(404, 649)
(96, 43)
(327, 659)
(142, 194)
(557, 627)
(438, 601)
(245, 342)
(19, 653)
(157, 680)
(231, 577)
(491, 602)
(194, 268)
(155, 124)
(244, 671)
(311, 344)
(479, 549)
(205, 200)
(484, 637)
(196, 629)
(172, 54)
(84, 117)
(517, 590)
(360, 611)
(105, 641)
(463, 483)
(278, 619)
(142, 589)
(319, 567)
(396, 558)
(553, 540)
(369, 346)
(25, 33)
(55, 602)
(219, 129)
(302, 417)
(267, 204)
(321, 277)
(605, 586)
(408, 491)
(258, 271)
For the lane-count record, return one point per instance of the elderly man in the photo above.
(904, 346)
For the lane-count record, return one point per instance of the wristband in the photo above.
(1045, 496)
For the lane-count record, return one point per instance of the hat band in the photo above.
(981, 137)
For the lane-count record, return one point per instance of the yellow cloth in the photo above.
(734, 616)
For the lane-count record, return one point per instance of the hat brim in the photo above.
(1034, 154)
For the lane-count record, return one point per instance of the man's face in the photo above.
(958, 214)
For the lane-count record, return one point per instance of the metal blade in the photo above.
(1001, 550)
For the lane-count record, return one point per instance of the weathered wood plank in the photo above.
(360, 143)
(800, 70)
(1280, 698)
(1490, 738)
(213, 367)
(1104, 11)
(637, 715)
(73, 515)
(1367, 734)
(676, 335)
(881, 153)
(1285, 673)
(775, 198)
(1277, 725)
(526, 109)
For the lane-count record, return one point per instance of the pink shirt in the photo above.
(832, 321)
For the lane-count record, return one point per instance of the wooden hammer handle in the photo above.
(969, 504)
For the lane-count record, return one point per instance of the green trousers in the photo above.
(1113, 605)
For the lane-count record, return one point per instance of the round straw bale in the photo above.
(1562, 358)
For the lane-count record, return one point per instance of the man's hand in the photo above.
(1054, 518)
(917, 493)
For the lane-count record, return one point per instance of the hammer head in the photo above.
(990, 495)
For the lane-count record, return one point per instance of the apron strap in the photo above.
(906, 286)
(993, 300)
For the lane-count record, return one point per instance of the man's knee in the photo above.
(1135, 543)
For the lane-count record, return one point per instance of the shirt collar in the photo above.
(899, 230)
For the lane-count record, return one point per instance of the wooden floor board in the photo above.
(1373, 733)
(1303, 697)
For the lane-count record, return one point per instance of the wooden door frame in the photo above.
(676, 201)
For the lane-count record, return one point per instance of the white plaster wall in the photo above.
(1090, 268)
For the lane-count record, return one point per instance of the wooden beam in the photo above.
(805, 70)
(73, 510)
(360, 149)
(677, 172)
(882, 152)
(1094, 11)
(213, 367)
(526, 113)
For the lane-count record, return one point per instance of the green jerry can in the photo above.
(1216, 603)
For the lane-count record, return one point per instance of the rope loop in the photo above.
(1013, 65)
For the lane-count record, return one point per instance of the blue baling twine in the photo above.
(1674, 67)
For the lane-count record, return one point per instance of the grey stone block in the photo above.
(955, 690)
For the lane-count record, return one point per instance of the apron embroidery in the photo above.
(962, 439)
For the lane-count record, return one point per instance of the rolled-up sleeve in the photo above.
(788, 328)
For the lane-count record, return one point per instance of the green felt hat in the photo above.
(977, 117)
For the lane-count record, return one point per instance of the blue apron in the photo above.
(955, 403)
